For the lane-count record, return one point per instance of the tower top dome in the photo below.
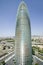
(22, 9)
(22, 6)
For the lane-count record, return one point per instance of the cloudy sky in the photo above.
(8, 11)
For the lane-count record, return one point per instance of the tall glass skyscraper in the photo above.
(23, 53)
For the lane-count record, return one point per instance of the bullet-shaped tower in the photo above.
(23, 53)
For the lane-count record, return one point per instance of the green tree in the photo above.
(3, 63)
(33, 52)
(36, 64)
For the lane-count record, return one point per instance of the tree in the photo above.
(33, 52)
(36, 64)
(3, 62)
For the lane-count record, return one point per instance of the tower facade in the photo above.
(23, 53)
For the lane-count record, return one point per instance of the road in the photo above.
(37, 60)
(10, 60)
(7, 56)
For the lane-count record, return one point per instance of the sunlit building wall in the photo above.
(23, 53)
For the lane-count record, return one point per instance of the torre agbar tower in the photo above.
(23, 49)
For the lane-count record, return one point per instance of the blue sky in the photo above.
(8, 11)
